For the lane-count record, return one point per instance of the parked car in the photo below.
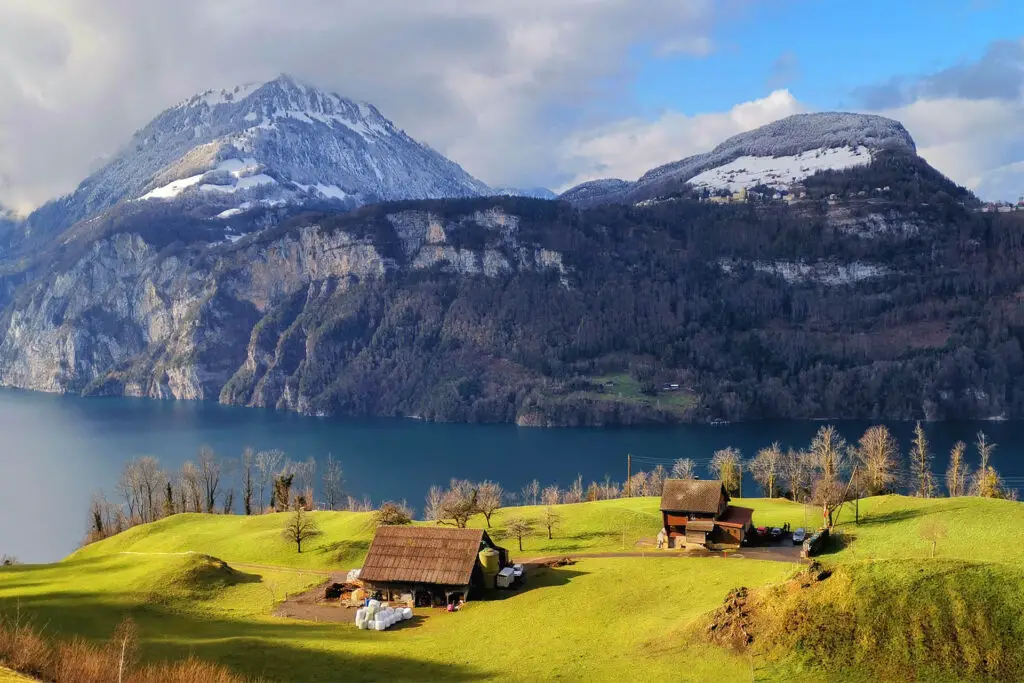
(799, 536)
(776, 533)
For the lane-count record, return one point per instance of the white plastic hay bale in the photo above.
(374, 604)
(407, 613)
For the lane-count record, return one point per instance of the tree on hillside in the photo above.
(210, 470)
(575, 492)
(683, 468)
(986, 482)
(921, 464)
(828, 453)
(519, 527)
(798, 474)
(530, 493)
(333, 483)
(432, 509)
(267, 464)
(458, 504)
(766, 468)
(552, 495)
(392, 514)
(727, 465)
(956, 473)
(551, 520)
(191, 488)
(489, 499)
(168, 501)
(878, 456)
(300, 528)
(248, 488)
(282, 491)
(656, 480)
(933, 530)
(305, 475)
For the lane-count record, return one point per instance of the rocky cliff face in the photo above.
(239, 321)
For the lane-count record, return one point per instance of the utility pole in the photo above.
(629, 475)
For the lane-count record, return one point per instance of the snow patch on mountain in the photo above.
(782, 171)
(535, 192)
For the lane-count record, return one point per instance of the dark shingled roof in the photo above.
(417, 554)
(736, 516)
(692, 495)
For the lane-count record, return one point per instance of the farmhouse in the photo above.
(697, 513)
(431, 565)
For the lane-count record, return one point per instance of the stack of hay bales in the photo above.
(377, 616)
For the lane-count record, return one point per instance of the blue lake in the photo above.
(55, 451)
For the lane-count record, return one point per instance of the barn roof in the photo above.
(692, 495)
(736, 516)
(411, 554)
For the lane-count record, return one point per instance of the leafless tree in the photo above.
(267, 464)
(305, 475)
(332, 481)
(300, 528)
(435, 496)
(248, 488)
(656, 481)
(519, 527)
(828, 452)
(594, 491)
(551, 520)
(637, 485)
(798, 473)
(575, 492)
(921, 464)
(683, 468)
(392, 514)
(610, 489)
(192, 487)
(129, 489)
(766, 468)
(105, 519)
(354, 504)
(933, 530)
(530, 493)
(209, 476)
(282, 499)
(229, 501)
(727, 465)
(956, 473)
(986, 482)
(552, 495)
(489, 498)
(458, 504)
(878, 455)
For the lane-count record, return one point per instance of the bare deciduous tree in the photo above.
(519, 527)
(267, 464)
(435, 496)
(933, 531)
(766, 468)
(986, 482)
(489, 498)
(305, 475)
(458, 504)
(638, 484)
(209, 477)
(575, 492)
(530, 493)
(727, 465)
(248, 488)
(683, 468)
(798, 473)
(828, 452)
(392, 514)
(551, 520)
(552, 495)
(332, 480)
(192, 488)
(282, 499)
(656, 481)
(956, 473)
(878, 455)
(921, 464)
(300, 528)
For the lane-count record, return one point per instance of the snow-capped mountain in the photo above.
(778, 154)
(534, 192)
(276, 142)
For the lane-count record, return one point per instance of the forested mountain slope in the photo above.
(896, 304)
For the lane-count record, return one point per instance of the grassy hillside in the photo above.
(601, 619)
(601, 526)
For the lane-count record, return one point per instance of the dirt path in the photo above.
(771, 553)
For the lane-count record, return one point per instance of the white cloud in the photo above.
(977, 143)
(627, 149)
(494, 85)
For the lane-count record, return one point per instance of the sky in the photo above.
(522, 92)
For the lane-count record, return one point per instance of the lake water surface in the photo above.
(55, 451)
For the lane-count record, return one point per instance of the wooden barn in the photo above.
(698, 513)
(430, 565)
